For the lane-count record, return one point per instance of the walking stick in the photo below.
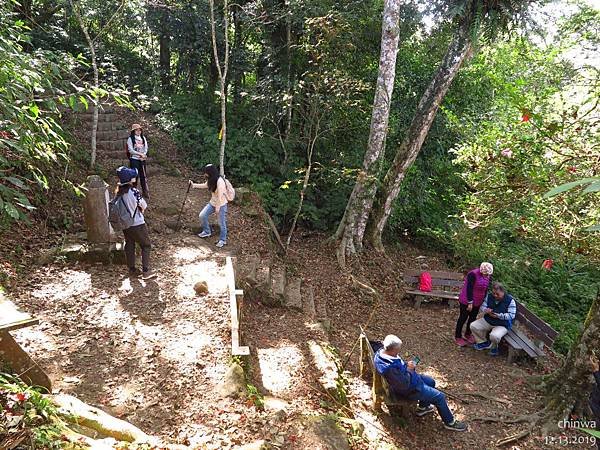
(183, 205)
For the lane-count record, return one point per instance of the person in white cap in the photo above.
(137, 149)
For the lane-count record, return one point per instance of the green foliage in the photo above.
(33, 86)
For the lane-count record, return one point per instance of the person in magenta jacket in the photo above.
(471, 297)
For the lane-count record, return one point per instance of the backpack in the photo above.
(119, 216)
(127, 154)
(425, 282)
(229, 190)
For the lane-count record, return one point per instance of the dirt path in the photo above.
(155, 353)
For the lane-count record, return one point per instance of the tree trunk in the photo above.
(237, 50)
(222, 75)
(165, 55)
(96, 81)
(351, 229)
(568, 388)
(458, 50)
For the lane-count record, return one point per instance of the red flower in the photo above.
(525, 117)
(572, 169)
(547, 264)
(21, 397)
(5, 135)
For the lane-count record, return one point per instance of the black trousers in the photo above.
(138, 234)
(141, 168)
(465, 316)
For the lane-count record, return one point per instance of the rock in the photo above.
(256, 445)
(276, 407)
(327, 364)
(201, 288)
(234, 384)
(277, 282)
(47, 256)
(158, 227)
(108, 253)
(323, 432)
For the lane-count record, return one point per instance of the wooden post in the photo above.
(234, 310)
(21, 364)
(95, 209)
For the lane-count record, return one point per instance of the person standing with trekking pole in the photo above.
(222, 192)
(137, 151)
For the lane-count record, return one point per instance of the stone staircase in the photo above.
(274, 285)
(111, 138)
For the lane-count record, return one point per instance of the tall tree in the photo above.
(352, 226)
(222, 74)
(473, 17)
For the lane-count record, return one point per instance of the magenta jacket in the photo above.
(474, 289)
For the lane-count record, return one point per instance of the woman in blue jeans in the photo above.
(217, 204)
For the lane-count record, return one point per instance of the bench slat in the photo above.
(530, 348)
(11, 318)
(440, 294)
(531, 327)
(435, 281)
(538, 322)
(435, 274)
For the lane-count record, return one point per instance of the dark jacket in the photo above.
(402, 381)
(506, 309)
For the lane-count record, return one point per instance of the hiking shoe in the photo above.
(460, 342)
(483, 345)
(134, 272)
(221, 243)
(455, 425)
(422, 411)
(148, 274)
(494, 352)
(470, 339)
(204, 234)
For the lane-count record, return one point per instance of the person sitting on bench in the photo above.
(406, 383)
(499, 311)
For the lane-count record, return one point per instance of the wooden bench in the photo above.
(518, 342)
(380, 387)
(444, 285)
(11, 353)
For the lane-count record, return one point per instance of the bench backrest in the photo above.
(440, 281)
(10, 316)
(379, 383)
(535, 325)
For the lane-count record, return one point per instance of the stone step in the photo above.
(277, 283)
(111, 145)
(102, 117)
(308, 301)
(292, 294)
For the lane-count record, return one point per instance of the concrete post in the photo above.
(95, 210)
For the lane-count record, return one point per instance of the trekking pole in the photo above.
(183, 205)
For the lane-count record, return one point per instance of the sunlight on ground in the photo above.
(185, 348)
(34, 334)
(205, 270)
(278, 365)
(191, 253)
(72, 283)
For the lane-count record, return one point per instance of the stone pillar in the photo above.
(95, 210)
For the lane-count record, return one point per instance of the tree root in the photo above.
(514, 437)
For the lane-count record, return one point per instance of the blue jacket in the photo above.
(506, 309)
(402, 381)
